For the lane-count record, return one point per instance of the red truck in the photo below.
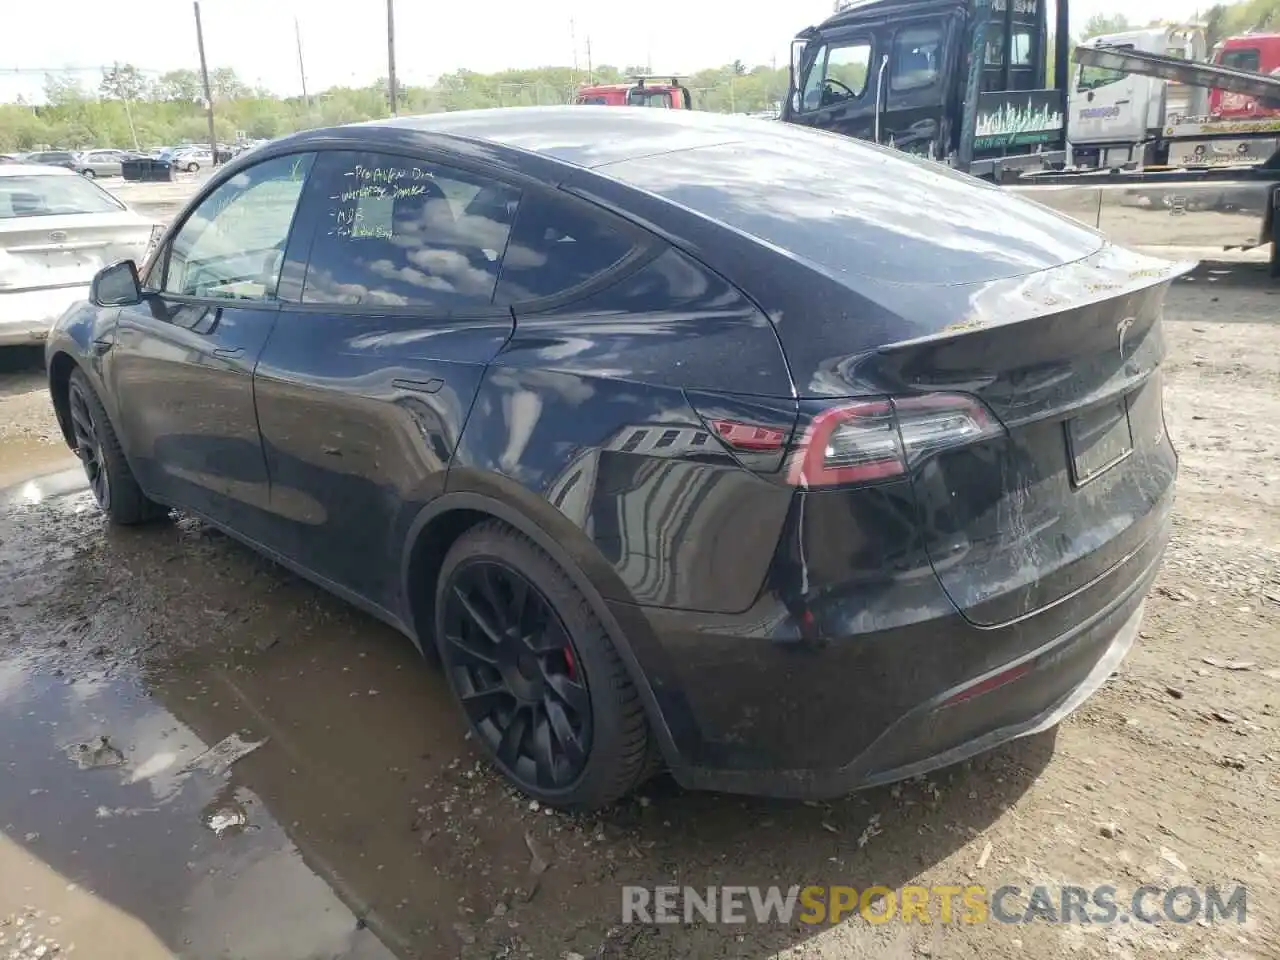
(644, 91)
(1257, 52)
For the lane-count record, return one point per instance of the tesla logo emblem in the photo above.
(58, 236)
(1121, 329)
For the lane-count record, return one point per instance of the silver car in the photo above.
(101, 163)
(57, 230)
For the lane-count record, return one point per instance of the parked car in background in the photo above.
(814, 466)
(102, 163)
(57, 230)
(191, 159)
(10, 158)
(56, 158)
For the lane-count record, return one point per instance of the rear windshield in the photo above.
(851, 208)
(45, 196)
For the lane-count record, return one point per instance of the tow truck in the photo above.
(963, 82)
(1115, 119)
(642, 91)
(1257, 52)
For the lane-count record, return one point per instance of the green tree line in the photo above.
(1220, 20)
(129, 109)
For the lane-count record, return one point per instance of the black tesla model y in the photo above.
(791, 463)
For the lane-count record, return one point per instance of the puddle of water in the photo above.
(24, 458)
(102, 787)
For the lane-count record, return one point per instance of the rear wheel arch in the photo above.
(439, 525)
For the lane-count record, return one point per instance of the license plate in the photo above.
(1098, 440)
(68, 266)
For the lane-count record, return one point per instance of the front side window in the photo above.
(916, 52)
(1091, 78)
(400, 232)
(1246, 58)
(51, 196)
(232, 246)
(559, 243)
(838, 73)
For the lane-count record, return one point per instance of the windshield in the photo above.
(639, 97)
(36, 196)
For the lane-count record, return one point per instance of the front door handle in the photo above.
(419, 386)
(228, 353)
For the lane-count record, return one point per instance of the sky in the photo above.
(343, 46)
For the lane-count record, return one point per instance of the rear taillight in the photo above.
(878, 439)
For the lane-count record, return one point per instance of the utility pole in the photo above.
(391, 56)
(204, 77)
(591, 77)
(302, 70)
(573, 41)
(133, 132)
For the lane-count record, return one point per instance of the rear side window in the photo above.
(400, 232)
(559, 243)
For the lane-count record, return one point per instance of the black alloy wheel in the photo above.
(84, 426)
(112, 481)
(517, 674)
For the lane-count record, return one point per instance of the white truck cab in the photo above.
(1116, 119)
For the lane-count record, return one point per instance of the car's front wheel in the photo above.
(88, 173)
(98, 448)
(192, 167)
(540, 682)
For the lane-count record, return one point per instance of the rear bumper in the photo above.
(863, 710)
(26, 316)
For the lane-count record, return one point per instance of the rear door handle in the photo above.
(228, 353)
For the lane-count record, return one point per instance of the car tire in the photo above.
(193, 167)
(110, 478)
(89, 173)
(552, 703)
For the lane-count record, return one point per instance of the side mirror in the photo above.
(116, 285)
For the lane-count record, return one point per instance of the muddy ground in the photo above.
(364, 825)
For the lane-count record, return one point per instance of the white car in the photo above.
(57, 230)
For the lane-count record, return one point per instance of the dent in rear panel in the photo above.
(1008, 529)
